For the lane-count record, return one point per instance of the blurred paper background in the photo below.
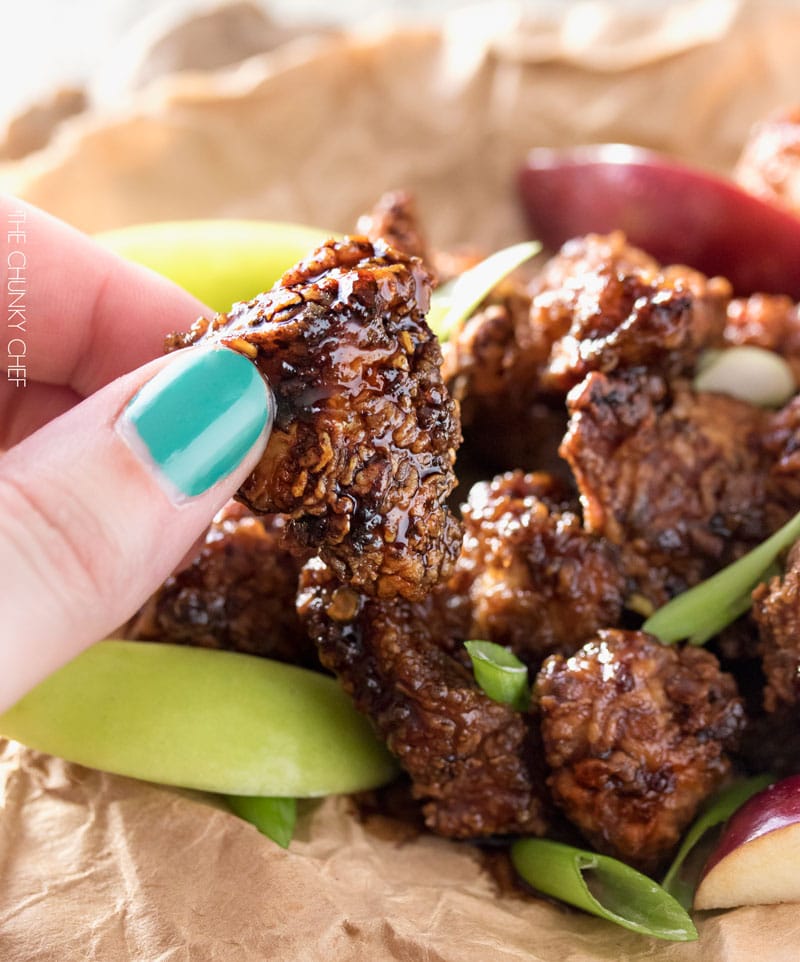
(235, 112)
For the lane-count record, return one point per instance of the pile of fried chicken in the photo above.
(605, 485)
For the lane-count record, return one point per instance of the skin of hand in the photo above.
(114, 457)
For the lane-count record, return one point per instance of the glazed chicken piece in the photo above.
(493, 367)
(770, 162)
(237, 594)
(776, 609)
(677, 480)
(781, 444)
(363, 445)
(599, 304)
(529, 576)
(532, 577)
(771, 321)
(625, 321)
(395, 221)
(636, 735)
(474, 763)
(497, 354)
(613, 307)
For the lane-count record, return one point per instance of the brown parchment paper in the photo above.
(96, 867)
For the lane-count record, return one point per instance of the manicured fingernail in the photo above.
(198, 417)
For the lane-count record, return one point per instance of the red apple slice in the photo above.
(677, 213)
(757, 860)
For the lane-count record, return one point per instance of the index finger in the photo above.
(79, 315)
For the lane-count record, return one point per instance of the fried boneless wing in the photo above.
(776, 609)
(636, 735)
(599, 304)
(238, 593)
(394, 219)
(475, 764)
(363, 445)
(531, 576)
(770, 162)
(677, 480)
(771, 321)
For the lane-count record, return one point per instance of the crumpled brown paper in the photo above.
(96, 867)
(315, 129)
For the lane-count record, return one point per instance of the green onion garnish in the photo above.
(501, 675)
(602, 886)
(747, 372)
(273, 817)
(452, 304)
(680, 881)
(703, 611)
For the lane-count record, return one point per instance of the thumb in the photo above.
(99, 506)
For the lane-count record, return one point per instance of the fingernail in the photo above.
(198, 417)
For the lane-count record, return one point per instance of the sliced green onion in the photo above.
(501, 675)
(273, 817)
(451, 306)
(640, 604)
(748, 373)
(681, 879)
(602, 886)
(211, 720)
(703, 611)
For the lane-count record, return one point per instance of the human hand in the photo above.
(114, 463)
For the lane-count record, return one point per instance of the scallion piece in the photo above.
(273, 817)
(719, 810)
(501, 675)
(454, 303)
(703, 611)
(749, 373)
(602, 886)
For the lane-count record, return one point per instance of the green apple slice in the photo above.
(219, 261)
(210, 720)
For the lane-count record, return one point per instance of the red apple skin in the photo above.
(678, 214)
(777, 806)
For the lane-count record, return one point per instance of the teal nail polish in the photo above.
(199, 417)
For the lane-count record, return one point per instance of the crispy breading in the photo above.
(237, 593)
(677, 480)
(776, 609)
(769, 165)
(636, 735)
(474, 763)
(532, 577)
(363, 445)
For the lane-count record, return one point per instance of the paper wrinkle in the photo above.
(354, 116)
(97, 867)
(593, 35)
(165, 875)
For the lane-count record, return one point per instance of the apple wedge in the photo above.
(219, 261)
(757, 860)
(677, 213)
